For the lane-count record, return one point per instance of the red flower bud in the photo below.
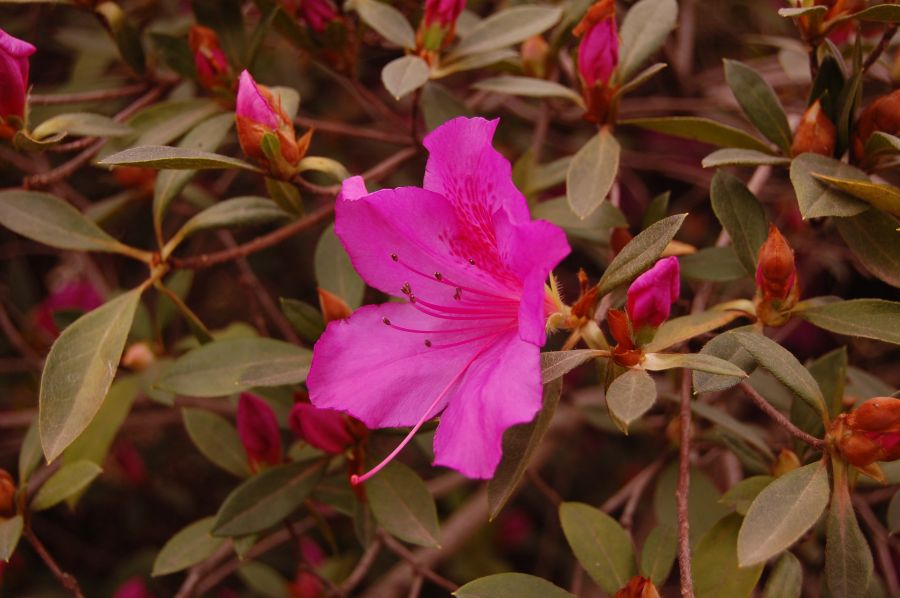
(14, 55)
(651, 295)
(258, 430)
(326, 429)
(332, 306)
(776, 274)
(870, 433)
(213, 70)
(815, 133)
(438, 24)
(638, 587)
(598, 56)
(881, 115)
(7, 494)
(317, 14)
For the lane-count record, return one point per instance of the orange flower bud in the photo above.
(870, 433)
(534, 56)
(786, 462)
(333, 307)
(638, 587)
(777, 290)
(815, 133)
(213, 70)
(7, 494)
(881, 115)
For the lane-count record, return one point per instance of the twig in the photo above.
(421, 569)
(362, 567)
(780, 419)
(873, 56)
(196, 573)
(640, 480)
(96, 95)
(882, 550)
(545, 489)
(683, 489)
(416, 588)
(17, 340)
(347, 130)
(66, 580)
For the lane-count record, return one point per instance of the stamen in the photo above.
(386, 321)
(406, 289)
(427, 343)
(438, 275)
(457, 294)
(471, 262)
(443, 279)
(394, 257)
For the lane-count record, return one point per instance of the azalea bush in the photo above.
(526, 299)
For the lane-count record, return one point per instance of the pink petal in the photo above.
(500, 389)
(258, 430)
(598, 53)
(14, 66)
(464, 167)
(380, 375)
(252, 105)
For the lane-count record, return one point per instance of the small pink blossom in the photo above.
(76, 295)
(471, 265)
(325, 429)
(598, 53)
(651, 295)
(14, 55)
(258, 430)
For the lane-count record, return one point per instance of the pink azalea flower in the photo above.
(651, 295)
(465, 344)
(325, 429)
(14, 55)
(258, 430)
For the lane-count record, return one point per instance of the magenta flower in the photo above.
(465, 344)
(14, 55)
(598, 53)
(258, 430)
(651, 295)
(325, 429)
(73, 296)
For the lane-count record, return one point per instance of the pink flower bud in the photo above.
(258, 430)
(598, 53)
(133, 588)
(73, 296)
(439, 23)
(213, 70)
(257, 105)
(317, 14)
(14, 55)
(651, 295)
(325, 429)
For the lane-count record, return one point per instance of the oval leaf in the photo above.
(81, 123)
(782, 513)
(187, 548)
(180, 158)
(404, 75)
(848, 560)
(217, 439)
(759, 103)
(387, 21)
(640, 253)
(715, 564)
(786, 579)
(741, 157)
(10, 532)
(335, 272)
(511, 585)
(873, 238)
(555, 364)
(644, 30)
(529, 86)
(266, 499)
(678, 330)
(741, 215)
(658, 553)
(869, 318)
(403, 505)
(692, 361)
(882, 196)
(630, 396)
(237, 211)
(600, 544)
(507, 27)
(228, 366)
(700, 129)
(817, 198)
(592, 173)
(69, 479)
(79, 369)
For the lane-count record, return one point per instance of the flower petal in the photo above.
(500, 389)
(381, 375)
(465, 168)
(252, 104)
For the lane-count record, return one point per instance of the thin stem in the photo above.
(97, 95)
(880, 540)
(405, 554)
(876, 52)
(780, 419)
(347, 130)
(66, 580)
(362, 567)
(683, 489)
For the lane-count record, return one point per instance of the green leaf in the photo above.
(188, 547)
(529, 86)
(47, 219)
(181, 158)
(817, 199)
(263, 580)
(803, 11)
(630, 396)
(332, 168)
(873, 238)
(784, 366)
(741, 157)
(79, 369)
(29, 452)
(511, 585)
(678, 330)
(741, 215)
(640, 253)
(403, 505)
(782, 512)
(693, 361)
(306, 319)
(387, 21)
(639, 79)
(600, 544)
(335, 272)
(715, 563)
(217, 439)
(124, 34)
(592, 173)
(507, 27)
(644, 30)
(759, 103)
(592, 228)
(848, 560)
(207, 136)
(10, 532)
(555, 364)
(163, 123)
(69, 479)
(718, 264)
(237, 211)
(868, 318)
(881, 13)
(786, 579)
(405, 74)
(658, 553)
(224, 367)
(882, 196)
(746, 432)
(701, 129)
(704, 509)
(266, 499)
(82, 124)
(471, 62)
(519, 444)
(740, 496)
(439, 105)
(882, 143)
(93, 444)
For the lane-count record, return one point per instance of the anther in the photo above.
(406, 289)
(427, 343)
(438, 276)
(457, 294)
(386, 321)
(471, 262)
(394, 257)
